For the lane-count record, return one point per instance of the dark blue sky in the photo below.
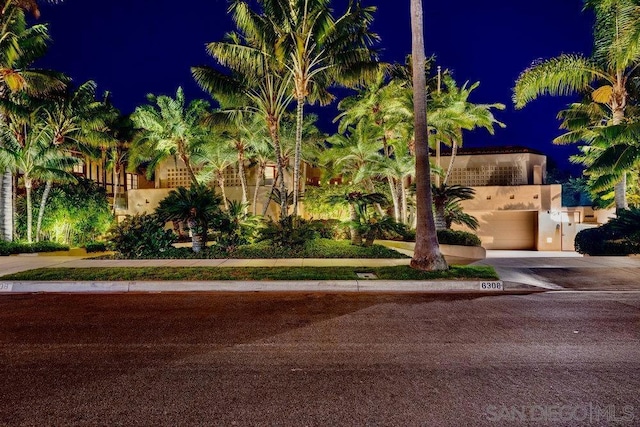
(135, 47)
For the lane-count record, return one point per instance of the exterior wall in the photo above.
(517, 217)
(496, 169)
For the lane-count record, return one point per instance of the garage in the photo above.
(507, 229)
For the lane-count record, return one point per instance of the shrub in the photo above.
(74, 214)
(95, 247)
(456, 237)
(140, 236)
(601, 241)
(328, 228)
(11, 248)
(288, 231)
(620, 236)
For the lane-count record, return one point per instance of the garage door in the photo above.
(507, 230)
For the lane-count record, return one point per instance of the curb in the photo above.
(251, 286)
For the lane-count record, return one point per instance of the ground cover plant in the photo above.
(315, 248)
(403, 272)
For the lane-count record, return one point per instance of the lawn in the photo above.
(250, 273)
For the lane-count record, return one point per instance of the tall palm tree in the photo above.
(451, 113)
(427, 255)
(254, 82)
(26, 148)
(20, 46)
(79, 122)
(606, 75)
(318, 50)
(170, 128)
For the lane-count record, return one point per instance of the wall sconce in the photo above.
(512, 197)
(488, 197)
(535, 196)
(146, 201)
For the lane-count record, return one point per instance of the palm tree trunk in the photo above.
(356, 237)
(620, 193)
(620, 189)
(116, 187)
(267, 202)
(394, 197)
(261, 168)
(454, 152)
(426, 254)
(223, 191)
(298, 153)
(440, 216)
(43, 203)
(27, 186)
(275, 138)
(243, 179)
(6, 206)
(403, 201)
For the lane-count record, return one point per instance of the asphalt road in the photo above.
(320, 359)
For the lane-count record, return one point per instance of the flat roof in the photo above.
(510, 149)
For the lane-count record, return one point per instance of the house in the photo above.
(514, 205)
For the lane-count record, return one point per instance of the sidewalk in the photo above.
(518, 270)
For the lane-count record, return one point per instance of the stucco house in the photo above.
(514, 205)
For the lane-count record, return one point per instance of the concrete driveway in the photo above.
(565, 270)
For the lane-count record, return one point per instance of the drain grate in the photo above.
(366, 275)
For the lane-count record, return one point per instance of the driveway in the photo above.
(565, 270)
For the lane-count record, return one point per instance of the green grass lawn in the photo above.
(251, 273)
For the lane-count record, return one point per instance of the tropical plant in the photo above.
(216, 157)
(358, 204)
(606, 75)
(426, 255)
(77, 212)
(140, 236)
(198, 207)
(318, 50)
(287, 232)
(20, 46)
(80, 123)
(445, 195)
(240, 227)
(169, 129)
(255, 82)
(25, 147)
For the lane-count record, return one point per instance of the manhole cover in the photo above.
(366, 275)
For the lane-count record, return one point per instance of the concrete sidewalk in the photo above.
(518, 270)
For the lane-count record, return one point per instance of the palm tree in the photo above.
(80, 122)
(216, 157)
(451, 113)
(357, 203)
(169, 128)
(26, 148)
(318, 50)
(198, 206)
(427, 254)
(355, 153)
(254, 84)
(443, 196)
(606, 75)
(20, 46)
(396, 169)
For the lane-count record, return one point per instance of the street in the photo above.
(557, 358)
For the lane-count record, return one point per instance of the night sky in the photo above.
(135, 47)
